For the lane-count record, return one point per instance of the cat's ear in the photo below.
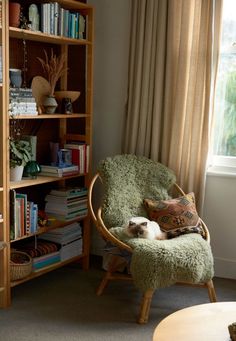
(131, 223)
(144, 223)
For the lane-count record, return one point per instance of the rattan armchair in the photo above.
(112, 274)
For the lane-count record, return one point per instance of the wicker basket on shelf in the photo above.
(20, 266)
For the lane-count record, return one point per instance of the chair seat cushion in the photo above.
(161, 263)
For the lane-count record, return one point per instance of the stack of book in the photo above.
(69, 238)
(43, 252)
(67, 204)
(47, 170)
(24, 215)
(22, 102)
(80, 155)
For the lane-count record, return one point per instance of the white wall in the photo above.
(220, 217)
(112, 23)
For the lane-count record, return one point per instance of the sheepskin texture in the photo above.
(161, 263)
(127, 180)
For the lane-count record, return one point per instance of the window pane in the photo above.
(225, 102)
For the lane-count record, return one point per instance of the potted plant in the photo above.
(20, 154)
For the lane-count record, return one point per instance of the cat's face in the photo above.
(137, 230)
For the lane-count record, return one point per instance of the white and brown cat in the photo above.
(141, 227)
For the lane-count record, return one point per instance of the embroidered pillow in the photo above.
(175, 216)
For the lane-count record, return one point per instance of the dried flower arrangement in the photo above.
(54, 68)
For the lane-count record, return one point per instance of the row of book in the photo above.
(59, 21)
(80, 155)
(67, 204)
(22, 102)
(24, 215)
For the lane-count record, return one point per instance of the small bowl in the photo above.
(73, 95)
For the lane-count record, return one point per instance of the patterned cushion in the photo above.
(175, 216)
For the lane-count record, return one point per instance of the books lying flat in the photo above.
(69, 192)
(47, 170)
(68, 217)
(63, 235)
(72, 249)
(46, 260)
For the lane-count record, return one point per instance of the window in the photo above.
(224, 131)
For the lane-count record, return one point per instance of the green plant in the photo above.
(20, 152)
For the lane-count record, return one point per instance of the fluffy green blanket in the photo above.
(128, 179)
(161, 263)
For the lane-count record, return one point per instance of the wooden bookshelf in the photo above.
(20, 46)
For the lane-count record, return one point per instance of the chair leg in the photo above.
(211, 291)
(108, 275)
(145, 306)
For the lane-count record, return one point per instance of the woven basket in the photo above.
(20, 266)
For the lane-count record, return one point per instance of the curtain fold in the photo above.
(172, 67)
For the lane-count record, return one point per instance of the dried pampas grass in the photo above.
(54, 68)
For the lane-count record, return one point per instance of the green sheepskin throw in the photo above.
(161, 263)
(127, 180)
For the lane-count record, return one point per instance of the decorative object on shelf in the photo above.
(16, 173)
(40, 89)
(49, 104)
(21, 265)
(54, 148)
(53, 67)
(42, 218)
(73, 95)
(14, 14)
(20, 154)
(65, 99)
(15, 77)
(232, 331)
(64, 157)
(24, 22)
(34, 17)
(32, 169)
(66, 106)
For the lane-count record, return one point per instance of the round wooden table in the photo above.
(205, 322)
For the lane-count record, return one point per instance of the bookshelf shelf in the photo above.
(40, 180)
(21, 49)
(46, 269)
(53, 226)
(45, 38)
(51, 116)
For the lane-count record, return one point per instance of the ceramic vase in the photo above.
(15, 77)
(32, 169)
(50, 104)
(14, 14)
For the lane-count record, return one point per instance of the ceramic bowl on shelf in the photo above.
(73, 95)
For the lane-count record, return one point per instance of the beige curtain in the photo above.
(172, 68)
